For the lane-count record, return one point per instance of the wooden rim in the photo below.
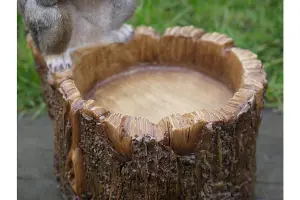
(178, 44)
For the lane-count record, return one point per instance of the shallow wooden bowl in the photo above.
(162, 117)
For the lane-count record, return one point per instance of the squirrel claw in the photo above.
(59, 63)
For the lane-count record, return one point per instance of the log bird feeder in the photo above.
(161, 117)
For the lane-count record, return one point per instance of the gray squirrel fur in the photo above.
(58, 27)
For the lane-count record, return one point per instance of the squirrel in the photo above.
(58, 27)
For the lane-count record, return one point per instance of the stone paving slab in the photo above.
(36, 180)
(269, 157)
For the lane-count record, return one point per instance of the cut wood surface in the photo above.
(156, 92)
(126, 142)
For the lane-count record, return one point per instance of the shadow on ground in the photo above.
(36, 180)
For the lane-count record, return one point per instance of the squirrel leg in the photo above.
(122, 35)
(63, 62)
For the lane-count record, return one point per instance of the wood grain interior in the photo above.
(154, 92)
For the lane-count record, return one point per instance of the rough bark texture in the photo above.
(221, 163)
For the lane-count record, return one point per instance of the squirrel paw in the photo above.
(121, 35)
(59, 63)
(125, 33)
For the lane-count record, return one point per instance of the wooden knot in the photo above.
(74, 170)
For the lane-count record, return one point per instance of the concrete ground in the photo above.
(36, 181)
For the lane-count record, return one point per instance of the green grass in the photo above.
(253, 24)
(28, 84)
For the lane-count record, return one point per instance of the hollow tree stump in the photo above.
(115, 132)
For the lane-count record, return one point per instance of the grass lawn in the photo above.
(253, 24)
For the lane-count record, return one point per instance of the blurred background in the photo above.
(253, 24)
